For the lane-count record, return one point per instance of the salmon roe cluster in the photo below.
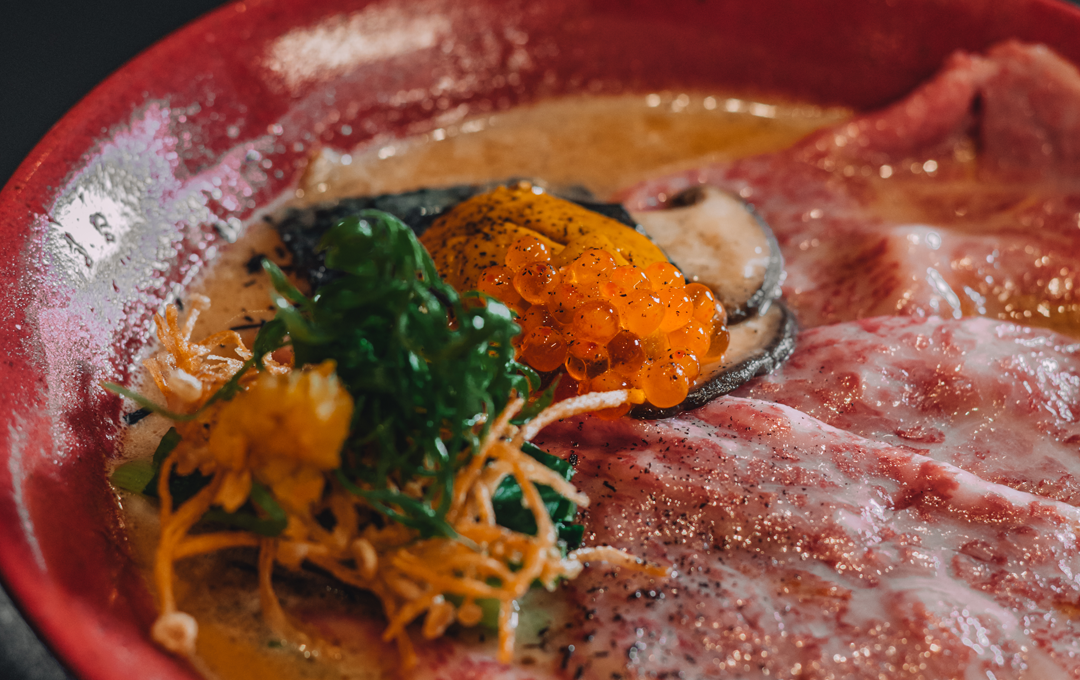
(610, 325)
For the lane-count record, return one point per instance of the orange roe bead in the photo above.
(544, 349)
(643, 313)
(563, 301)
(588, 270)
(655, 345)
(678, 308)
(525, 251)
(535, 281)
(622, 283)
(629, 278)
(577, 370)
(534, 317)
(688, 362)
(665, 383)
(627, 355)
(694, 338)
(718, 343)
(613, 292)
(497, 281)
(587, 350)
(664, 275)
(606, 382)
(705, 303)
(583, 370)
(596, 321)
(720, 319)
(609, 326)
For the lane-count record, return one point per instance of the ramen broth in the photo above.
(602, 144)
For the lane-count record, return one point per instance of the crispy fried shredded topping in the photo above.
(276, 445)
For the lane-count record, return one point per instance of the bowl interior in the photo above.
(132, 192)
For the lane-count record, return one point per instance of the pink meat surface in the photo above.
(801, 550)
(999, 400)
(963, 198)
(899, 500)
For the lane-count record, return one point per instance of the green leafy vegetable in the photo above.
(512, 514)
(142, 476)
(169, 441)
(247, 518)
(424, 365)
(133, 476)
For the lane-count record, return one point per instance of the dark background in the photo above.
(52, 52)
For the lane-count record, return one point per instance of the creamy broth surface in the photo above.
(600, 143)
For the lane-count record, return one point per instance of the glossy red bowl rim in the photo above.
(875, 51)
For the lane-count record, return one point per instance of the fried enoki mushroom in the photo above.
(285, 431)
(188, 373)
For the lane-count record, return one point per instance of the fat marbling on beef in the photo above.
(899, 500)
(805, 551)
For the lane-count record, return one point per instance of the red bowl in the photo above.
(128, 195)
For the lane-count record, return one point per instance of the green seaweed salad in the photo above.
(427, 368)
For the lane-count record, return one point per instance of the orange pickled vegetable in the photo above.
(479, 232)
